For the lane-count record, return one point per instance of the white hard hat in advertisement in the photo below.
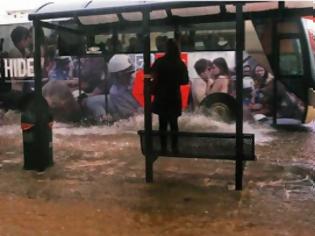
(119, 63)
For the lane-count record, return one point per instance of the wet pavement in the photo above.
(97, 187)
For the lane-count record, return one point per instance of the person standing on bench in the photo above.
(168, 73)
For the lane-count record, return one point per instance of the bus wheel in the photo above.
(220, 106)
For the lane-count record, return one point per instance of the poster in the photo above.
(110, 87)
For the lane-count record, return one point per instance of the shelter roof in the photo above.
(92, 12)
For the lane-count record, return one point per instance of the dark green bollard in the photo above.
(37, 134)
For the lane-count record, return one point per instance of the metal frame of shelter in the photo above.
(40, 18)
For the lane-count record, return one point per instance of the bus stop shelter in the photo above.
(93, 17)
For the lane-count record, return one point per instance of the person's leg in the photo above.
(162, 129)
(174, 128)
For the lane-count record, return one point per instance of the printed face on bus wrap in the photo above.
(207, 73)
(216, 70)
(260, 71)
(26, 42)
(125, 77)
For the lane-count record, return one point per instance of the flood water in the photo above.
(97, 187)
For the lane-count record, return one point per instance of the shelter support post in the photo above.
(275, 61)
(37, 59)
(35, 114)
(148, 169)
(147, 98)
(239, 95)
(79, 76)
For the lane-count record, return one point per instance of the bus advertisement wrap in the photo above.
(110, 86)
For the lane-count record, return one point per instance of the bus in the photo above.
(84, 43)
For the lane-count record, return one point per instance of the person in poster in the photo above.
(121, 71)
(288, 105)
(222, 78)
(118, 102)
(22, 40)
(200, 86)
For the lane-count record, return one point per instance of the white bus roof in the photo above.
(19, 16)
(106, 11)
(7, 19)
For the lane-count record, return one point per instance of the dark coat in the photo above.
(168, 74)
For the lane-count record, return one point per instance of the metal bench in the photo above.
(221, 146)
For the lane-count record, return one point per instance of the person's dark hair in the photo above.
(160, 42)
(220, 62)
(18, 34)
(172, 50)
(265, 76)
(201, 65)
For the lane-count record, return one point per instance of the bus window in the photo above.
(264, 31)
(158, 40)
(290, 51)
(102, 38)
(130, 42)
(253, 46)
(287, 27)
(217, 36)
(106, 42)
(109, 43)
(290, 57)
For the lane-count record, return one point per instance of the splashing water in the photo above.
(201, 123)
(187, 122)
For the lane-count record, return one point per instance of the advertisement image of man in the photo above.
(201, 86)
(119, 103)
(121, 71)
(22, 40)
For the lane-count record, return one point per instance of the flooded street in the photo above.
(97, 186)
